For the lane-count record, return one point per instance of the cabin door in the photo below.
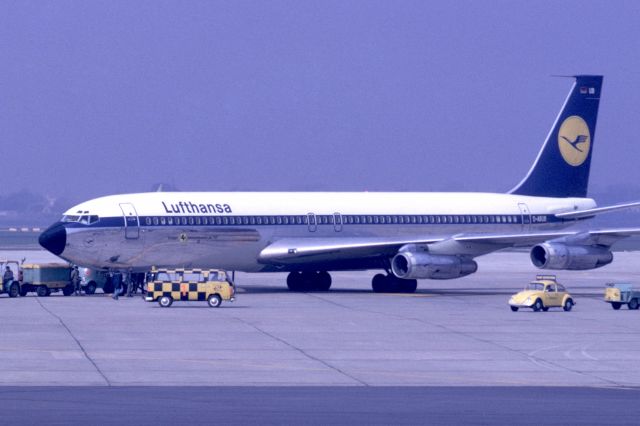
(131, 222)
(526, 216)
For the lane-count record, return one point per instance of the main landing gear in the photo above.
(392, 284)
(309, 281)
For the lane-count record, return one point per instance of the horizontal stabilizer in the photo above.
(579, 214)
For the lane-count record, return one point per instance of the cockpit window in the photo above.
(70, 218)
(85, 219)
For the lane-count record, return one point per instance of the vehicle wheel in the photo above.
(214, 300)
(379, 283)
(68, 290)
(545, 309)
(90, 288)
(633, 304)
(616, 305)
(568, 304)
(42, 291)
(165, 301)
(14, 290)
(514, 308)
(538, 305)
(23, 292)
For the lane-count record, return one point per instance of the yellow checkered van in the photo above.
(210, 285)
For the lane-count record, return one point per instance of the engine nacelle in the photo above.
(412, 265)
(577, 258)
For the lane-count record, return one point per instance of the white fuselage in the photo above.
(228, 230)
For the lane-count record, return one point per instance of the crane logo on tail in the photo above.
(574, 140)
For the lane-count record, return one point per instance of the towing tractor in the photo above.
(11, 286)
(619, 294)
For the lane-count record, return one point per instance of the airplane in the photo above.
(408, 235)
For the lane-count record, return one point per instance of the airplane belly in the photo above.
(232, 249)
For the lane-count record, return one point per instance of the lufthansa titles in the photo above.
(189, 207)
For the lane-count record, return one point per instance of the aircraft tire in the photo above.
(379, 283)
(408, 286)
(296, 281)
(322, 281)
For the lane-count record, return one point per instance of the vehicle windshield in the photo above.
(535, 286)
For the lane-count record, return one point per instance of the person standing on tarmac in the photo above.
(8, 276)
(117, 285)
(75, 280)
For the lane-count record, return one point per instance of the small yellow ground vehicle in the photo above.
(619, 294)
(542, 294)
(167, 285)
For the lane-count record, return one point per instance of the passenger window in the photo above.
(252, 220)
(155, 221)
(285, 220)
(147, 220)
(170, 220)
(163, 220)
(191, 277)
(225, 220)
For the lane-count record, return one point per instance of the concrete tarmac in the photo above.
(457, 333)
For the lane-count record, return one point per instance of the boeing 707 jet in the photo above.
(409, 236)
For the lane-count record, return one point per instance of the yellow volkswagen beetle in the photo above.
(543, 293)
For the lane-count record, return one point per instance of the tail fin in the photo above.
(562, 166)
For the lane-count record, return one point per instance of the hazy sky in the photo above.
(102, 97)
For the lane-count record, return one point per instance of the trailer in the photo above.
(45, 278)
(619, 294)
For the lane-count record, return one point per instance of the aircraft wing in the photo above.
(290, 251)
(303, 250)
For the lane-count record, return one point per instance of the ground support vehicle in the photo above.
(542, 294)
(92, 279)
(46, 278)
(619, 294)
(11, 287)
(212, 286)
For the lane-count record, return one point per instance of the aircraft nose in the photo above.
(54, 238)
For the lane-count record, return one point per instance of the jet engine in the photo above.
(562, 256)
(415, 265)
